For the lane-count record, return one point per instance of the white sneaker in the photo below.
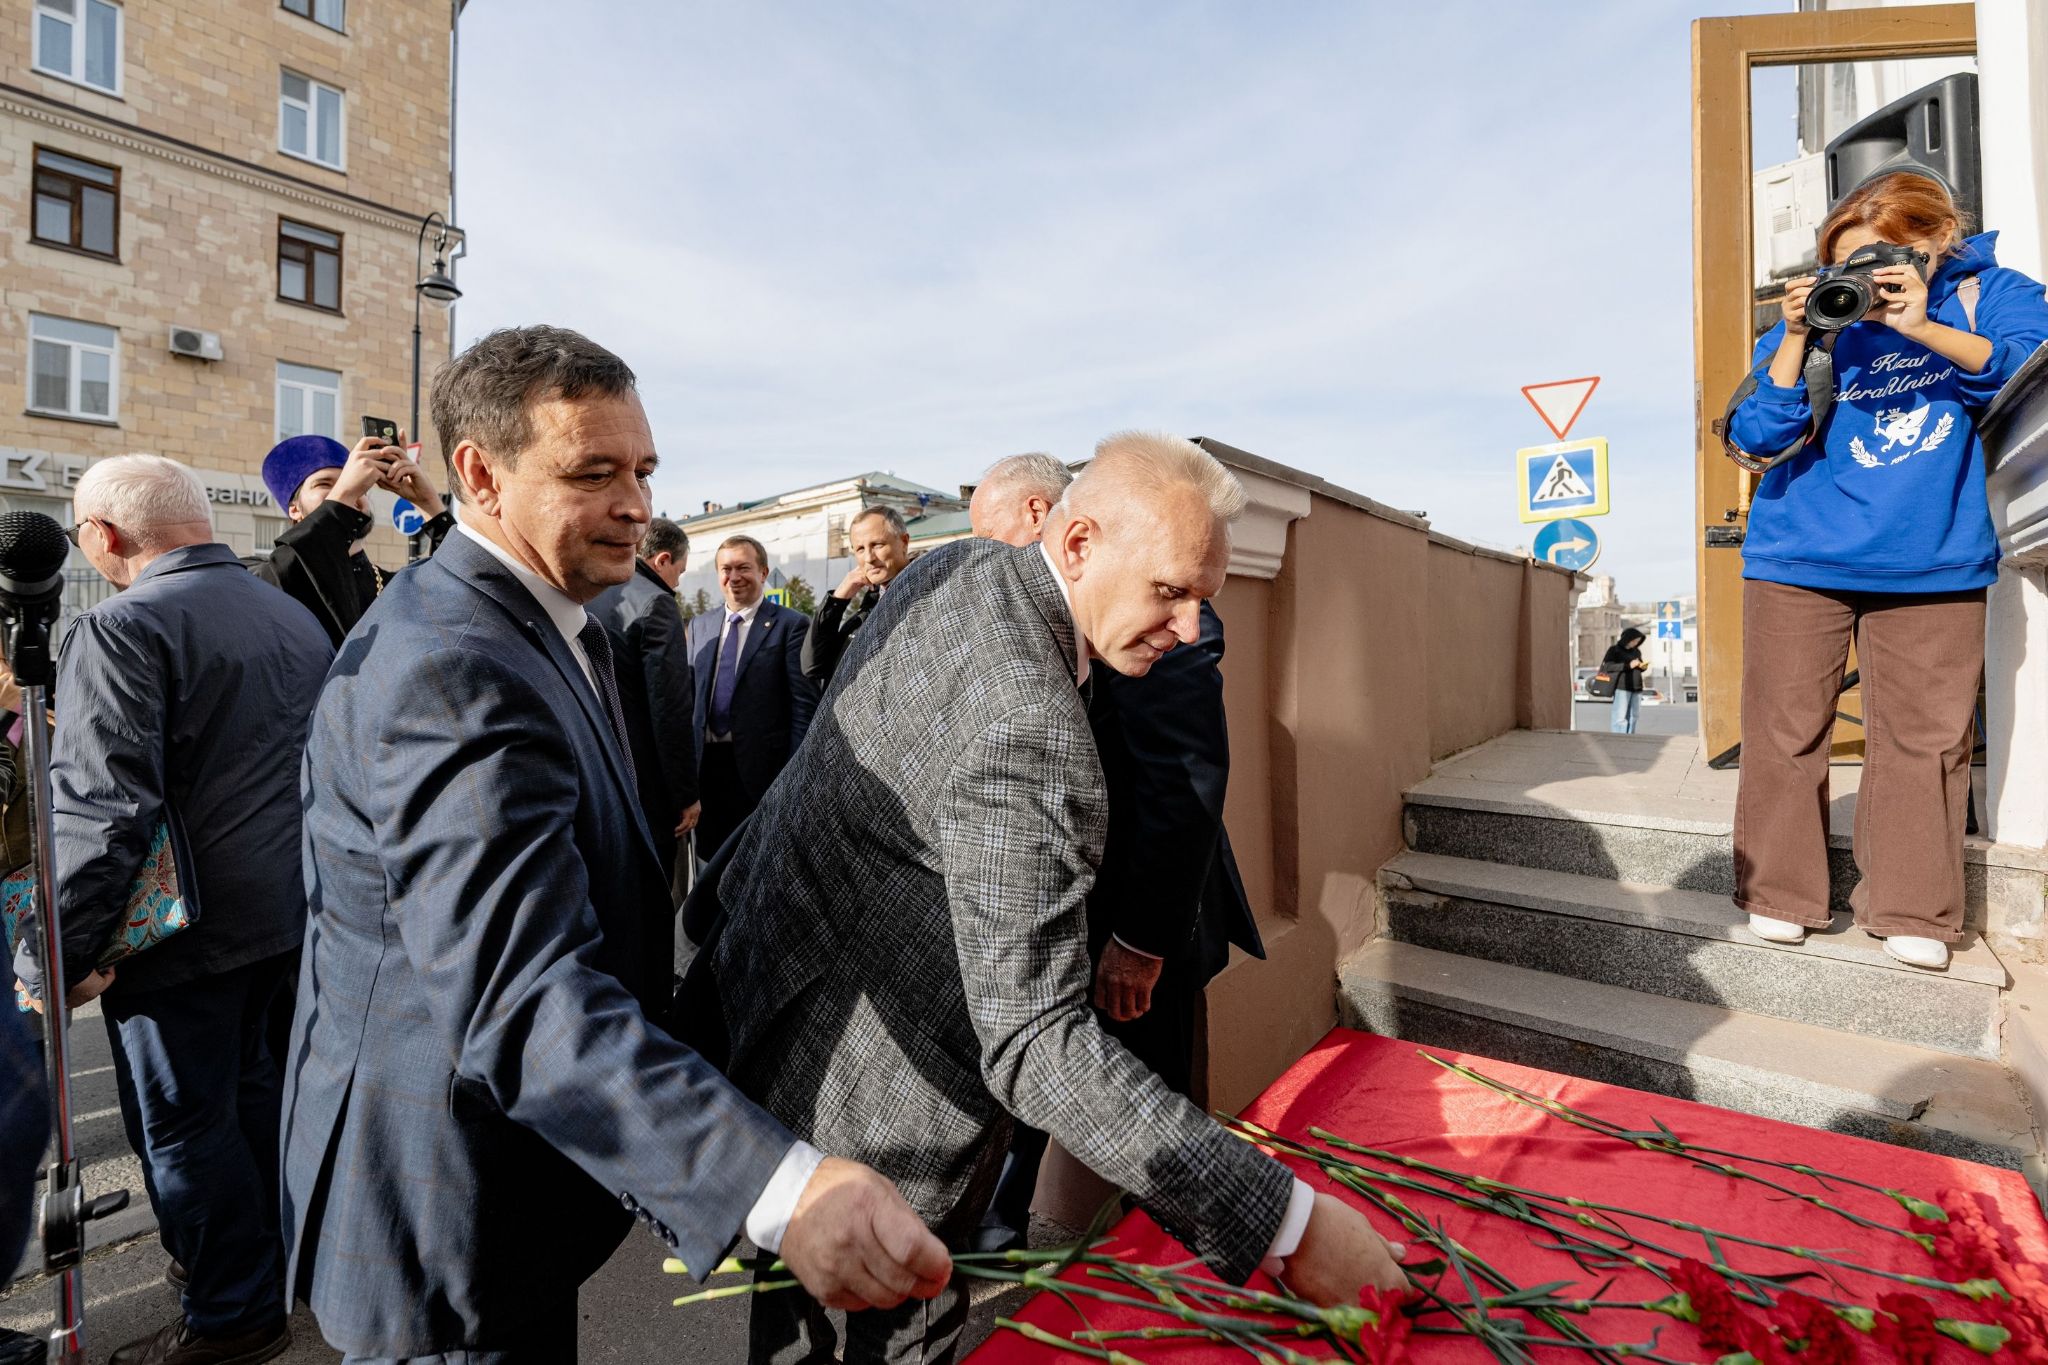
(1930, 953)
(1776, 930)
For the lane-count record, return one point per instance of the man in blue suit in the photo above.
(753, 701)
(478, 1104)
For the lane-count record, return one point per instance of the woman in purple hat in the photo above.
(324, 487)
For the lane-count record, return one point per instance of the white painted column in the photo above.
(2012, 66)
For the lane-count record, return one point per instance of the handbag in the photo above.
(158, 906)
(1600, 685)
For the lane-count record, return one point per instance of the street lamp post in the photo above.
(442, 291)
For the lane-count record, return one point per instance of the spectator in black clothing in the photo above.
(880, 544)
(658, 693)
(324, 487)
(1624, 663)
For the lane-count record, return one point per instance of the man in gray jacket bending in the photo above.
(904, 965)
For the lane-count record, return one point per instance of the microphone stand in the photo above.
(65, 1209)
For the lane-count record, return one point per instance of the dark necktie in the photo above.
(597, 647)
(728, 677)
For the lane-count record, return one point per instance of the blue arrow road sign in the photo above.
(407, 518)
(1569, 544)
(1670, 621)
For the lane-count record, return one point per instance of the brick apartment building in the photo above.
(244, 179)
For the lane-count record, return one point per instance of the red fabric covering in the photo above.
(1378, 1091)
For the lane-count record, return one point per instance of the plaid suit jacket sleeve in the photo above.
(1020, 828)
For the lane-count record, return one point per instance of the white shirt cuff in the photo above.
(1287, 1241)
(768, 1221)
(1132, 949)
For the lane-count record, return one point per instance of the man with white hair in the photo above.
(184, 701)
(903, 960)
(1015, 496)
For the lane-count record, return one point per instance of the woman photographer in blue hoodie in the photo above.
(1875, 527)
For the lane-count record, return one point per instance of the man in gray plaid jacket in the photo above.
(904, 964)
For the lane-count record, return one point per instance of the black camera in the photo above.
(1845, 292)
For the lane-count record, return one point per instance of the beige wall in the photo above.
(1379, 648)
(203, 184)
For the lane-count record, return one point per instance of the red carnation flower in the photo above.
(1808, 1320)
(1387, 1342)
(1908, 1334)
(1724, 1327)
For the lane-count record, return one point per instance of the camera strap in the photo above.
(1817, 370)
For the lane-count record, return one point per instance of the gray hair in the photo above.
(487, 393)
(148, 496)
(891, 518)
(1034, 472)
(1128, 464)
(664, 535)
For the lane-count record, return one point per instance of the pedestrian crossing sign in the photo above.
(1568, 479)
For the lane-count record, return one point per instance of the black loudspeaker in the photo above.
(1934, 129)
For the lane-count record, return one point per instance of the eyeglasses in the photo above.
(72, 534)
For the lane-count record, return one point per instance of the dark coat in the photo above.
(476, 1101)
(658, 690)
(1169, 885)
(188, 692)
(774, 702)
(1621, 659)
(313, 562)
(832, 628)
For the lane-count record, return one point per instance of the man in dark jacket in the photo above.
(186, 699)
(880, 543)
(753, 701)
(659, 697)
(324, 487)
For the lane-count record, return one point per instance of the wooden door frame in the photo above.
(1724, 53)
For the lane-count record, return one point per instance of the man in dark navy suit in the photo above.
(753, 701)
(478, 1104)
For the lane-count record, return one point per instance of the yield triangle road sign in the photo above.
(1560, 402)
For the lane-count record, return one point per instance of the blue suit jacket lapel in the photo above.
(475, 565)
(764, 622)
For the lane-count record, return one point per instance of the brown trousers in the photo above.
(1921, 657)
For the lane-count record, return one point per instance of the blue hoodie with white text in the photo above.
(1891, 499)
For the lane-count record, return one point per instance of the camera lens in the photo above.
(1837, 303)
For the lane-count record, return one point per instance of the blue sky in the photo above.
(919, 236)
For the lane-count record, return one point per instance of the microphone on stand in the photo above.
(33, 549)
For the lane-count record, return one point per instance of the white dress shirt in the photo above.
(768, 1220)
(739, 651)
(1301, 1202)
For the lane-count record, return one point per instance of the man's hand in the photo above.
(689, 821)
(856, 579)
(854, 1243)
(88, 990)
(1339, 1255)
(410, 482)
(368, 466)
(1124, 982)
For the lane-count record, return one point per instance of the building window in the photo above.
(308, 265)
(326, 12)
(308, 401)
(80, 40)
(309, 119)
(78, 204)
(73, 368)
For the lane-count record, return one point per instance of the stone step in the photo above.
(1690, 945)
(1783, 1069)
(1661, 849)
